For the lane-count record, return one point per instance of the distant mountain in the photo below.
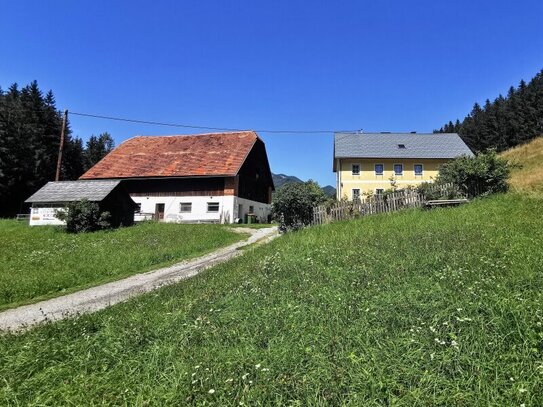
(281, 179)
(329, 190)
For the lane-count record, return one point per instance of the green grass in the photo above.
(43, 262)
(420, 308)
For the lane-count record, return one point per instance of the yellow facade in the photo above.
(367, 181)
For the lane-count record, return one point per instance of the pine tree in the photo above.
(97, 148)
(505, 122)
(30, 127)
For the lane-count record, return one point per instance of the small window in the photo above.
(356, 169)
(379, 191)
(401, 146)
(138, 208)
(185, 207)
(398, 169)
(213, 207)
(356, 194)
(251, 209)
(418, 169)
(379, 168)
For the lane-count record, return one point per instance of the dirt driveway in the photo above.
(97, 298)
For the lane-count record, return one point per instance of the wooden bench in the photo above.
(445, 202)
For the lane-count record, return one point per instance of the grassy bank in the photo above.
(423, 308)
(528, 174)
(42, 262)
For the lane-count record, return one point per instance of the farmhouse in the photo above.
(373, 162)
(215, 177)
(109, 194)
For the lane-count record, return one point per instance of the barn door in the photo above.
(159, 211)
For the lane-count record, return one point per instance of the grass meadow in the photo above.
(418, 308)
(43, 262)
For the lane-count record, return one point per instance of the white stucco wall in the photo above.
(261, 210)
(228, 208)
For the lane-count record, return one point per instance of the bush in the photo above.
(484, 174)
(293, 203)
(84, 216)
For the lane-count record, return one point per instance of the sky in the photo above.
(283, 65)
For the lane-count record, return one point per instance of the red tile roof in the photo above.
(212, 154)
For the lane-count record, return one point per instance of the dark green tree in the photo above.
(97, 148)
(294, 203)
(505, 122)
(30, 127)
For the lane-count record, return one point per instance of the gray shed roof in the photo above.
(69, 191)
(389, 145)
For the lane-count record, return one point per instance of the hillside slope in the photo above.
(417, 308)
(528, 176)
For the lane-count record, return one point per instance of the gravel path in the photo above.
(97, 298)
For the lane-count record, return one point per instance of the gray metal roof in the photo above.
(387, 145)
(68, 191)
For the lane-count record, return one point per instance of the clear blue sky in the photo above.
(372, 65)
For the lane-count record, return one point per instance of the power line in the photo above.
(189, 126)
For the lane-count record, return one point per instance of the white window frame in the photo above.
(394, 169)
(422, 171)
(352, 193)
(181, 207)
(382, 173)
(359, 169)
(214, 203)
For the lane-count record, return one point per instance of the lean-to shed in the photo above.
(110, 195)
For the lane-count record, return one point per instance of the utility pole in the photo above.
(61, 146)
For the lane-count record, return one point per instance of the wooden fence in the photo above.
(390, 202)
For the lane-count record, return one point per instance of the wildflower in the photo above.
(522, 390)
(244, 376)
(454, 343)
(211, 391)
(432, 329)
(229, 380)
(257, 366)
(265, 369)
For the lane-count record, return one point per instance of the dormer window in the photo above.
(401, 146)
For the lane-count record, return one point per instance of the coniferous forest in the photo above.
(505, 122)
(30, 127)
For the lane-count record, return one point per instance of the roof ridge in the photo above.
(224, 133)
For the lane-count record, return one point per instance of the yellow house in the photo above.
(369, 163)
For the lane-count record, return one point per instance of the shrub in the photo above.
(84, 216)
(293, 203)
(486, 173)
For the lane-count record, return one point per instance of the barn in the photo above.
(109, 194)
(212, 177)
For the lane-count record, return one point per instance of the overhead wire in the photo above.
(196, 127)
